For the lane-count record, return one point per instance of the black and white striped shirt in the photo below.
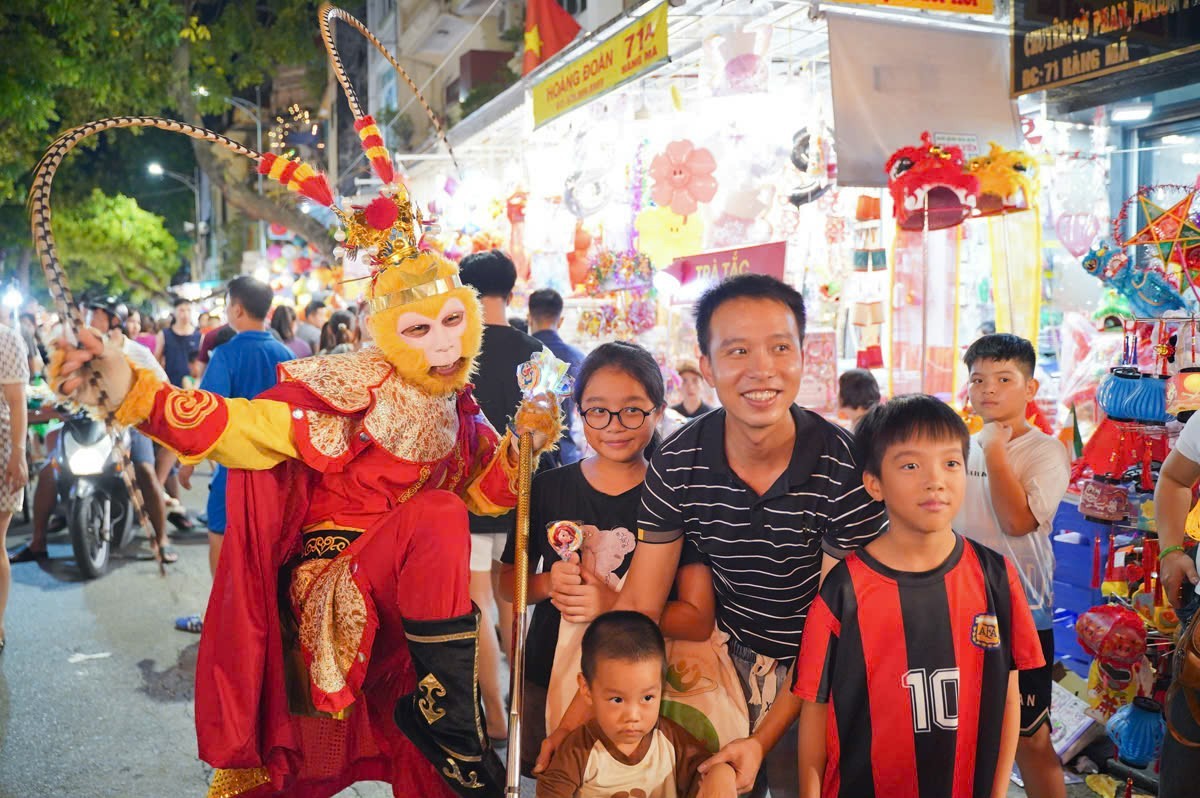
(764, 551)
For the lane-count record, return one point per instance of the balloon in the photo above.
(664, 235)
(1076, 231)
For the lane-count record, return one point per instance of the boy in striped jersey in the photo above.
(914, 696)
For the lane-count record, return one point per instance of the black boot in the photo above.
(444, 717)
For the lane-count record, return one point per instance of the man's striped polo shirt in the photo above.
(764, 551)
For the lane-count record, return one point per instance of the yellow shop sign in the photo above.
(625, 55)
(959, 6)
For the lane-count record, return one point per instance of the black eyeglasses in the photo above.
(601, 417)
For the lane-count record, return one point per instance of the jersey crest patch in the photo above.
(985, 631)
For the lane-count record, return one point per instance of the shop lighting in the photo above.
(1133, 112)
(12, 298)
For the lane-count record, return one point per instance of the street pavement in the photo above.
(96, 684)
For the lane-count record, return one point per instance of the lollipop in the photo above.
(565, 537)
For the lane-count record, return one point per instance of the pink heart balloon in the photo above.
(1076, 231)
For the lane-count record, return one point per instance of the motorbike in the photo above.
(91, 488)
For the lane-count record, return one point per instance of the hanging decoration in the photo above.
(586, 192)
(1148, 291)
(1008, 180)
(1169, 230)
(664, 235)
(813, 156)
(683, 177)
(1077, 231)
(930, 181)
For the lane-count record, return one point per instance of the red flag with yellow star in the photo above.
(548, 29)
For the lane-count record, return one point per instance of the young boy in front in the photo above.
(1016, 477)
(916, 695)
(627, 749)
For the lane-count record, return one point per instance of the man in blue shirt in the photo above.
(242, 368)
(545, 317)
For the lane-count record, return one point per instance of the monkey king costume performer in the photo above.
(341, 595)
(340, 643)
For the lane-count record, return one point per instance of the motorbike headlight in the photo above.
(88, 460)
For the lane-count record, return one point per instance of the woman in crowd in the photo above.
(283, 322)
(14, 374)
(340, 334)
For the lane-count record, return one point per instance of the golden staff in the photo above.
(520, 599)
(542, 380)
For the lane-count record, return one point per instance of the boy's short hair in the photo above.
(545, 304)
(745, 286)
(490, 273)
(623, 635)
(858, 389)
(253, 295)
(904, 418)
(180, 300)
(1003, 346)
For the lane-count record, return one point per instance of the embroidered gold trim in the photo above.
(432, 690)
(188, 409)
(228, 783)
(342, 381)
(452, 772)
(331, 619)
(441, 285)
(416, 486)
(319, 547)
(440, 638)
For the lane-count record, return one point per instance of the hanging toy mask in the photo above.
(1007, 180)
(428, 325)
(930, 181)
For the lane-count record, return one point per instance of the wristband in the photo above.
(1170, 550)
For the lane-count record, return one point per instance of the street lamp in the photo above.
(255, 112)
(156, 170)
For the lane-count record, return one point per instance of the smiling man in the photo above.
(770, 495)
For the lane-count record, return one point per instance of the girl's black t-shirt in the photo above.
(564, 494)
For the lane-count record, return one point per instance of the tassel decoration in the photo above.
(298, 177)
(372, 142)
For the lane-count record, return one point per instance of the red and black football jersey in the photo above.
(915, 669)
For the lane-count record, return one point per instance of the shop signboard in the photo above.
(1069, 41)
(628, 53)
(714, 266)
(956, 6)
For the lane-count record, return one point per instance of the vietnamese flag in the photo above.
(548, 29)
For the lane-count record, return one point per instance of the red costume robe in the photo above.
(360, 523)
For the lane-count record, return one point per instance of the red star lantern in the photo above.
(1168, 229)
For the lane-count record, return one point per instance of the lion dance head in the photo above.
(930, 180)
(1007, 180)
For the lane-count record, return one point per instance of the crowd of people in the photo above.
(874, 598)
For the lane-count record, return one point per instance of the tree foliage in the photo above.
(109, 244)
(65, 62)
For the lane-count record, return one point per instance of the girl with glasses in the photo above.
(621, 397)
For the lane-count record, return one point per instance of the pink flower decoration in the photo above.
(683, 177)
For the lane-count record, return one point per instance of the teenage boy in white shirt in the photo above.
(1016, 477)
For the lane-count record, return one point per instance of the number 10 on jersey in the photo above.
(934, 698)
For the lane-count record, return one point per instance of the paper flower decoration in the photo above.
(664, 235)
(683, 177)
